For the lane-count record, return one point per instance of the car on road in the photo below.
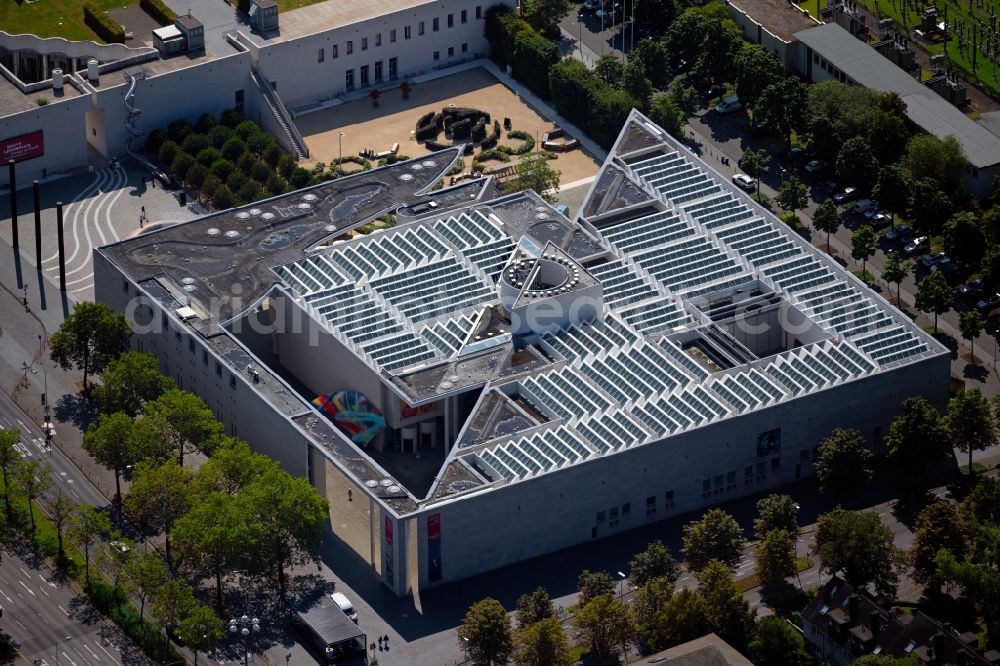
(728, 105)
(344, 604)
(744, 182)
(971, 288)
(816, 166)
(918, 244)
(988, 303)
(933, 259)
(845, 194)
(900, 231)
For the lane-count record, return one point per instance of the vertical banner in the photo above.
(387, 572)
(434, 547)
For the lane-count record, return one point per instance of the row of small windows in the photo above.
(407, 34)
(365, 71)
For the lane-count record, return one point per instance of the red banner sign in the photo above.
(388, 531)
(22, 147)
(434, 526)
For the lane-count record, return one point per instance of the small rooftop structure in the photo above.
(263, 15)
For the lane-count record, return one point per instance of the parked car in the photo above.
(947, 266)
(878, 220)
(988, 303)
(797, 156)
(864, 206)
(816, 166)
(120, 546)
(933, 259)
(972, 288)
(918, 244)
(714, 90)
(845, 194)
(900, 231)
(744, 182)
(728, 105)
(344, 604)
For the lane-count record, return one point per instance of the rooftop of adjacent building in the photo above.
(779, 17)
(709, 650)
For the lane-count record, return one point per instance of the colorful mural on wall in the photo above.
(353, 414)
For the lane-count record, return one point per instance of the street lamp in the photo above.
(244, 625)
(340, 151)
(621, 593)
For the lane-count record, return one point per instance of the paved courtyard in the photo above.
(395, 118)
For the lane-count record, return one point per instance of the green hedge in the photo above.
(159, 11)
(115, 604)
(106, 27)
(534, 55)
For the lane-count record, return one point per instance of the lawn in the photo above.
(52, 18)
(813, 6)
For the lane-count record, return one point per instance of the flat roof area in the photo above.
(331, 14)
(931, 112)
(779, 17)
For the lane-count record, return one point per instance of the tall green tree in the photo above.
(894, 271)
(756, 68)
(33, 477)
(665, 113)
(544, 15)
(793, 195)
(776, 512)
(60, 509)
(172, 602)
(843, 465)
(86, 528)
(214, 538)
(970, 423)
(652, 53)
(978, 574)
(928, 157)
(651, 599)
(542, 643)
(535, 174)
(971, 324)
(939, 525)
(777, 643)
(534, 607)
(888, 134)
(603, 623)
(780, 108)
(232, 468)
(755, 163)
(892, 191)
(929, 207)
(716, 536)
(485, 633)
(983, 503)
(637, 84)
(684, 619)
(592, 584)
(934, 295)
(610, 70)
(655, 17)
(10, 458)
(112, 443)
(775, 556)
(182, 420)
(146, 573)
(159, 496)
(864, 243)
(964, 239)
(201, 630)
(654, 562)
(857, 165)
(729, 614)
(918, 436)
(827, 219)
(858, 546)
(129, 382)
(89, 338)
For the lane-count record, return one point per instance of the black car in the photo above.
(797, 156)
(972, 288)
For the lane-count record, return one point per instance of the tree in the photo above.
(964, 240)
(989, 268)
(729, 614)
(917, 436)
(793, 195)
(60, 509)
(777, 643)
(86, 527)
(827, 219)
(775, 556)
(894, 271)
(214, 538)
(115, 556)
(33, 477)
(776, 512)
(717, 536)
(534, 607)
(485, 633)
(665, 113)
(610, 70)
(971, 323)
(754, 163)
(928, 157)
(756, 69)
(864, 243)
(542, 643)
(885, 660)
(684, 619)
(860, 547)
(838, 112)
(652, 53)
(892, 191)
(112, 443)
(89, 338)
(602, 623)
(146, 574)
(843, 465)
(593, 584)
(978, 574)
(201, 630)
(685, 97)
(181, 165)
(654, 562)
(970, 423)
(159, 496)
(888, 133)
(983, 503)
(10, 458)
(533, 55)
(939, 525)
(651, 599)
(780, 108)
(655, 16)
(635, 83)
(535, 174)
(232, 467)
(857, 165)
(934, 295)
(544, 15)
(929, 207)
(181, 419)
(129, 382)
(172, 602)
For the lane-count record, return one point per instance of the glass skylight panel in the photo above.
(497, 465)
(521, 457)
(597, 437)
(729, 396)
(784, 379)
(532, 448)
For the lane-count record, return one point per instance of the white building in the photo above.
(542, 382)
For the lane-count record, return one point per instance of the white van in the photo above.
(344, 604)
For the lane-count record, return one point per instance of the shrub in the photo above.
(246, 129)
(208, 156)
(461, 129)
(223, 198)
(103, 25)
(274, 185)
(285, 165)
(179, 167)
(42, 101)
(299, 178)
(233, 148)
(205, 123)
(527, 146)
(168, 151)
(246, 162)
(493, 154)
(479, 130)
(178, 130)
(250, 191)
(492, 138)
(218, 136)
(235, 181)
(159, 11)
(502, 27)
(196, 175)
(425, 120)
(210, 185)
(256, 143)
(221, 169)
(457, 168)
(272, 154)
(261, 172)
(116, 605)
(194, 143)
(534, 55)
(427, 133)
(231, 118)
(153, 142)
(434, 145)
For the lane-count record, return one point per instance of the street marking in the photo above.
(30, 591)
(23, 450)
(63, 610)
(73, 663)
(6, 597)
(91, 652)
(110, 656)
